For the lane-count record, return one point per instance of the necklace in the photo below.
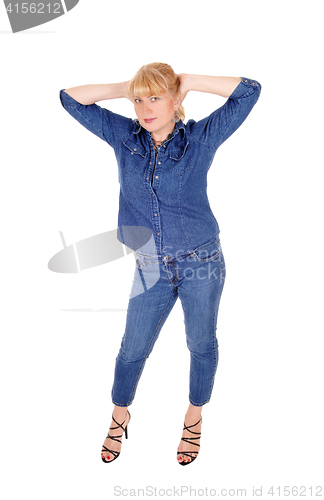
(158, 144)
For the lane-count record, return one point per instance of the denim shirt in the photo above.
(168, 196)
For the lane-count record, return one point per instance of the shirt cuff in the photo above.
(246, 86)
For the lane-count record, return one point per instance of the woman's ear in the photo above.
(176, 104)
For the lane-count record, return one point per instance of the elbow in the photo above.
(67, 100)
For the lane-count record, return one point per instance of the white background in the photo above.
(264, 424)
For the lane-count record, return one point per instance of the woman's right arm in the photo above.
(90, 94)
(80, 103)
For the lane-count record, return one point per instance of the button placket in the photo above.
(154, 200)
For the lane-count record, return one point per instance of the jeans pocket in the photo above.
(209, 251)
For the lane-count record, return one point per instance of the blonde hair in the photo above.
(155, 79)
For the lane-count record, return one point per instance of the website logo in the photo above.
(24, 15)
(108, 247)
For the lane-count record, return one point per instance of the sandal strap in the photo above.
(114, 438)
(191, 439)
(187, 453)
(188, 427)
(113, 452)
(118, 425)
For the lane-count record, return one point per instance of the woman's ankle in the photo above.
(194, 412)
(120, 413)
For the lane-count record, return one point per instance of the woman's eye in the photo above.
(154, 99)
(137, 100)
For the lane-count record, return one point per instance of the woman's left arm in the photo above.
(241, 94)
(220, 85)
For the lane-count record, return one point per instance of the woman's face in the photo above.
(155, 114)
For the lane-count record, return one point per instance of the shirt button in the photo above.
(245, 80)
(155, 215)
(132, 153)
(147, 178)
(159, 163)
(156, 176)
(150, 163)
(135, 149)
(152, 194)
(158, 234)
(253, 83)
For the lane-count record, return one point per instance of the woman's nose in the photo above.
(147, 108)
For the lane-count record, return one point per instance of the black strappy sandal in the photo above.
(189, 440)
(115, 438)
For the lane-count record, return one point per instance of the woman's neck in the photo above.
(158, 144)
(158, 138)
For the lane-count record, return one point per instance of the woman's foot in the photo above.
(190, 440)
(122, 417)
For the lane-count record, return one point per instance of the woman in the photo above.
(163, 167)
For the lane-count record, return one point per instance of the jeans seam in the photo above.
(215, 327)
(209, 259)
(175, 270)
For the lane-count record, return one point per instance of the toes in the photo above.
(106, 455)
(183, 458)
(186, 458)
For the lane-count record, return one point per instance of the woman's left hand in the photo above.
(184, 89)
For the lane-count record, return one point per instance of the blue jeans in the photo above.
(197, 279)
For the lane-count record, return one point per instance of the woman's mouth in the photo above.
(149, 120)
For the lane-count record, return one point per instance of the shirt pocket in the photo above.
(209, 251)
(135, 155)
(180, 160)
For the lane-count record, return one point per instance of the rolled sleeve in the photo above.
(246, 88)
(100, 121)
